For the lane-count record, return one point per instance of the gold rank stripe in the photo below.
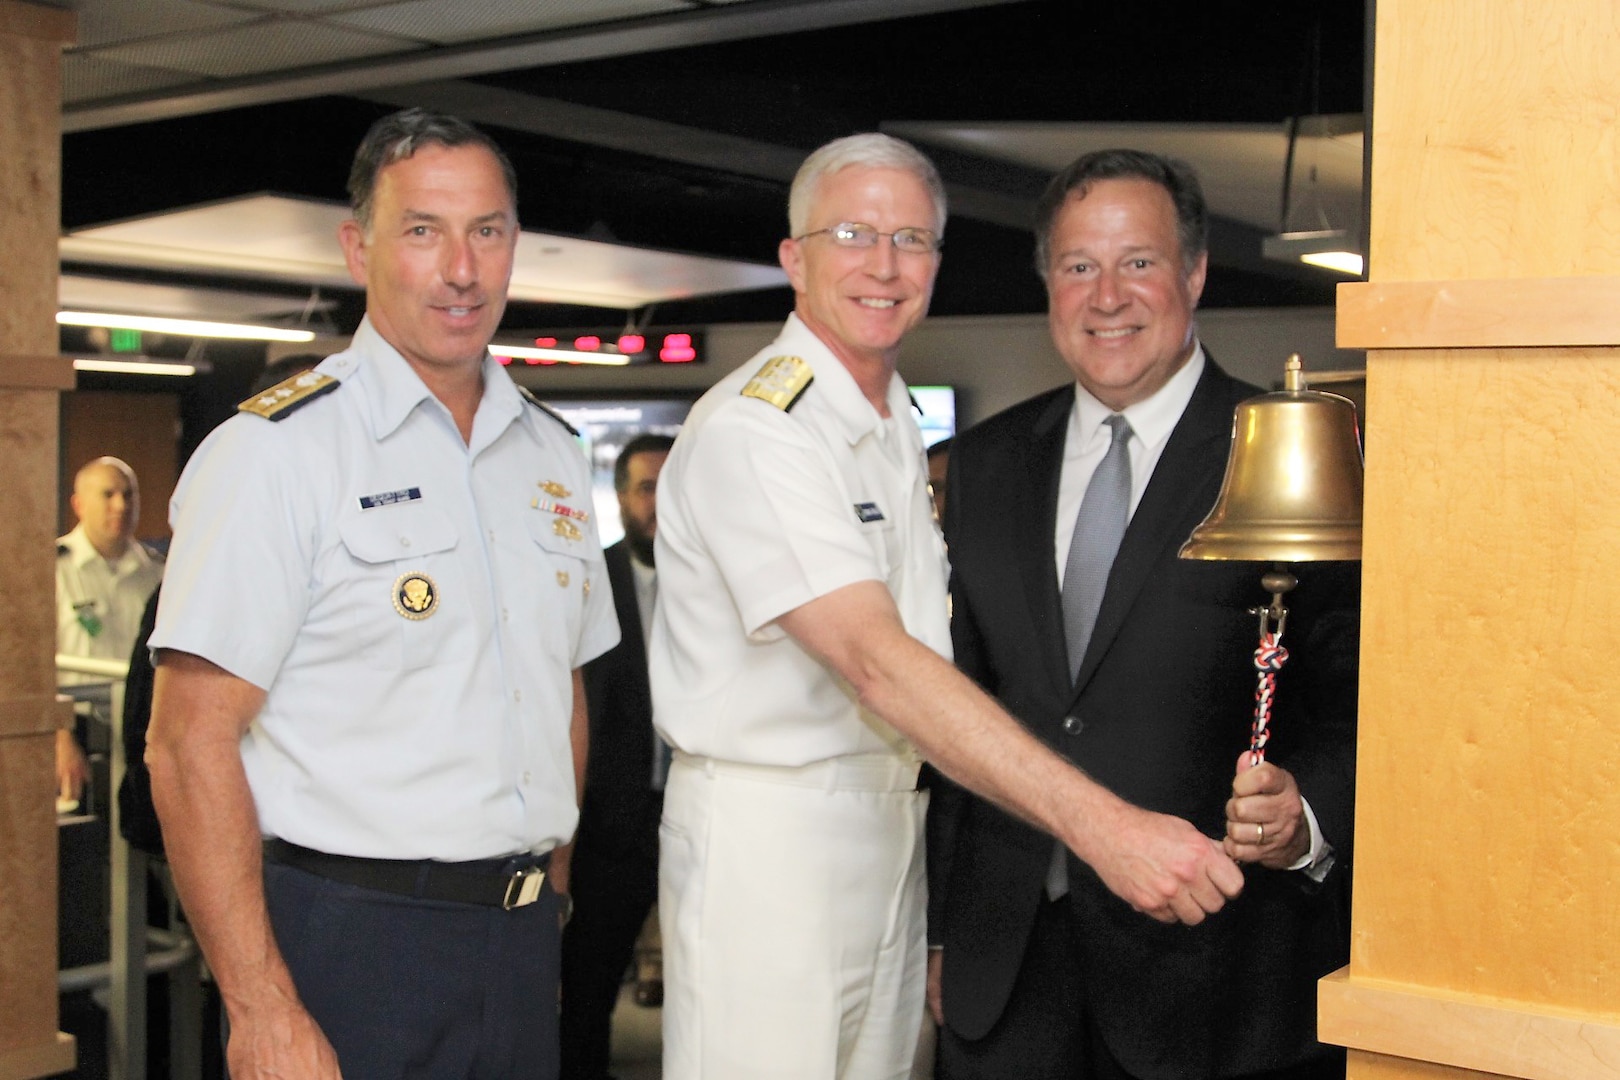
(780, 382)
(281, 399)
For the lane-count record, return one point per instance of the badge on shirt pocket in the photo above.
(402, 591)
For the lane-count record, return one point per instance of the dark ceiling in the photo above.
(1042, 60)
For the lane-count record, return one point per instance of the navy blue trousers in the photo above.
(421, 988)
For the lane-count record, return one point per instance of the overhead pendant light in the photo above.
(536, 355)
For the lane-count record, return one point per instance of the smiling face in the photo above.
(1120, 295)
(438, 255)
(861, 301)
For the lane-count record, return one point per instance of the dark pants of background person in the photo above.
(1037, 1038)
(613, 892)
(424, 989)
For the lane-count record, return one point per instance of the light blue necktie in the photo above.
(1098, 528)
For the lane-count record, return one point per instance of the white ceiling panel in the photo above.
(103, 22)
(473, 20)
(1241, 165)
(277, 238)
(257, 48)
(87, 78)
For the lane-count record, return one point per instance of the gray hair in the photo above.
(400, 135)
(871, 150)
(1178, 179)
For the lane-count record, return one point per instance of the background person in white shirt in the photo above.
(103, 579)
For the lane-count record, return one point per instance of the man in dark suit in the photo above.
(615, 865)
(1039, 971)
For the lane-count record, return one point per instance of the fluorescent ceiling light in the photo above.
(183, 327)
(1331, 249)
(132, 367)
(564, 356)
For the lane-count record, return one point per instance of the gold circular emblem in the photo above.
(415, 595)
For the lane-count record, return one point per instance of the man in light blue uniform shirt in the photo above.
(369, 727)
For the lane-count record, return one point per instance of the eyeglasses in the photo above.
(855, 234)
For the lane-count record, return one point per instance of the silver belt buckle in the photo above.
(524, 888)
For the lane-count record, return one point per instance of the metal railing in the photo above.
(136, 949)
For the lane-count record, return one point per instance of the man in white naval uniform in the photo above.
(103, 579)
(368, 727)
(799, 654)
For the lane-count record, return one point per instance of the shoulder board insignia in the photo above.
(781, 382)
(282, 399)
(547, 409)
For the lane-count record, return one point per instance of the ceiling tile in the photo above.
(295, 240)
(108, 22)
(473, 20)
(281, 45)
(88, 78)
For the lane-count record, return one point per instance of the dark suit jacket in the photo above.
(619, 801)
(1160, 714)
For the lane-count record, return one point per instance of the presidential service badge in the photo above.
(415, 595)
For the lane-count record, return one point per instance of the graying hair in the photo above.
(400, 135)
(872, 150)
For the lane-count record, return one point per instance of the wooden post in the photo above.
(1486, 938)
(32, 375)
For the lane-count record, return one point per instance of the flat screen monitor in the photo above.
(937, 416)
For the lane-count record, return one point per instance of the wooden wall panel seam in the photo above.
(1510, 313)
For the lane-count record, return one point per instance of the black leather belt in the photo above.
(508, 883)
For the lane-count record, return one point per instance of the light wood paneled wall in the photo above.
(31, 376)
(1486, 936)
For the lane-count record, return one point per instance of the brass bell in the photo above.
(1292, 491)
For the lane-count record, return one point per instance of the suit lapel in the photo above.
(1188, 473)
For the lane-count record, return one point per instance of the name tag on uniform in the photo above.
(868, 512)
(389, 498)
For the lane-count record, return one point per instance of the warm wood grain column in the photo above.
(31, 377)
(1486, 938)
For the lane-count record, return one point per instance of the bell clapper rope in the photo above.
(1269, 658)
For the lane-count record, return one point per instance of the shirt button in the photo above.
(517, 695)
(492, 536)
(404, 541)
(525, 777)
(1073, 725)
(505, 615)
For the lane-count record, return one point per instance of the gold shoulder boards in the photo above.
(282, 399)
(781, 382)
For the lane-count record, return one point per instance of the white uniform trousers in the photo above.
(793, 904)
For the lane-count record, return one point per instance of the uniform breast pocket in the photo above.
(561, 543)
(402, 588)
(880, 536)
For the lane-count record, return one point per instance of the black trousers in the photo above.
(613, 890)
(421, 988)
(1045, 1032)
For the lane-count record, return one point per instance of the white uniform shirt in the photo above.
(393, 729)
(99, 603)
(761, 510)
